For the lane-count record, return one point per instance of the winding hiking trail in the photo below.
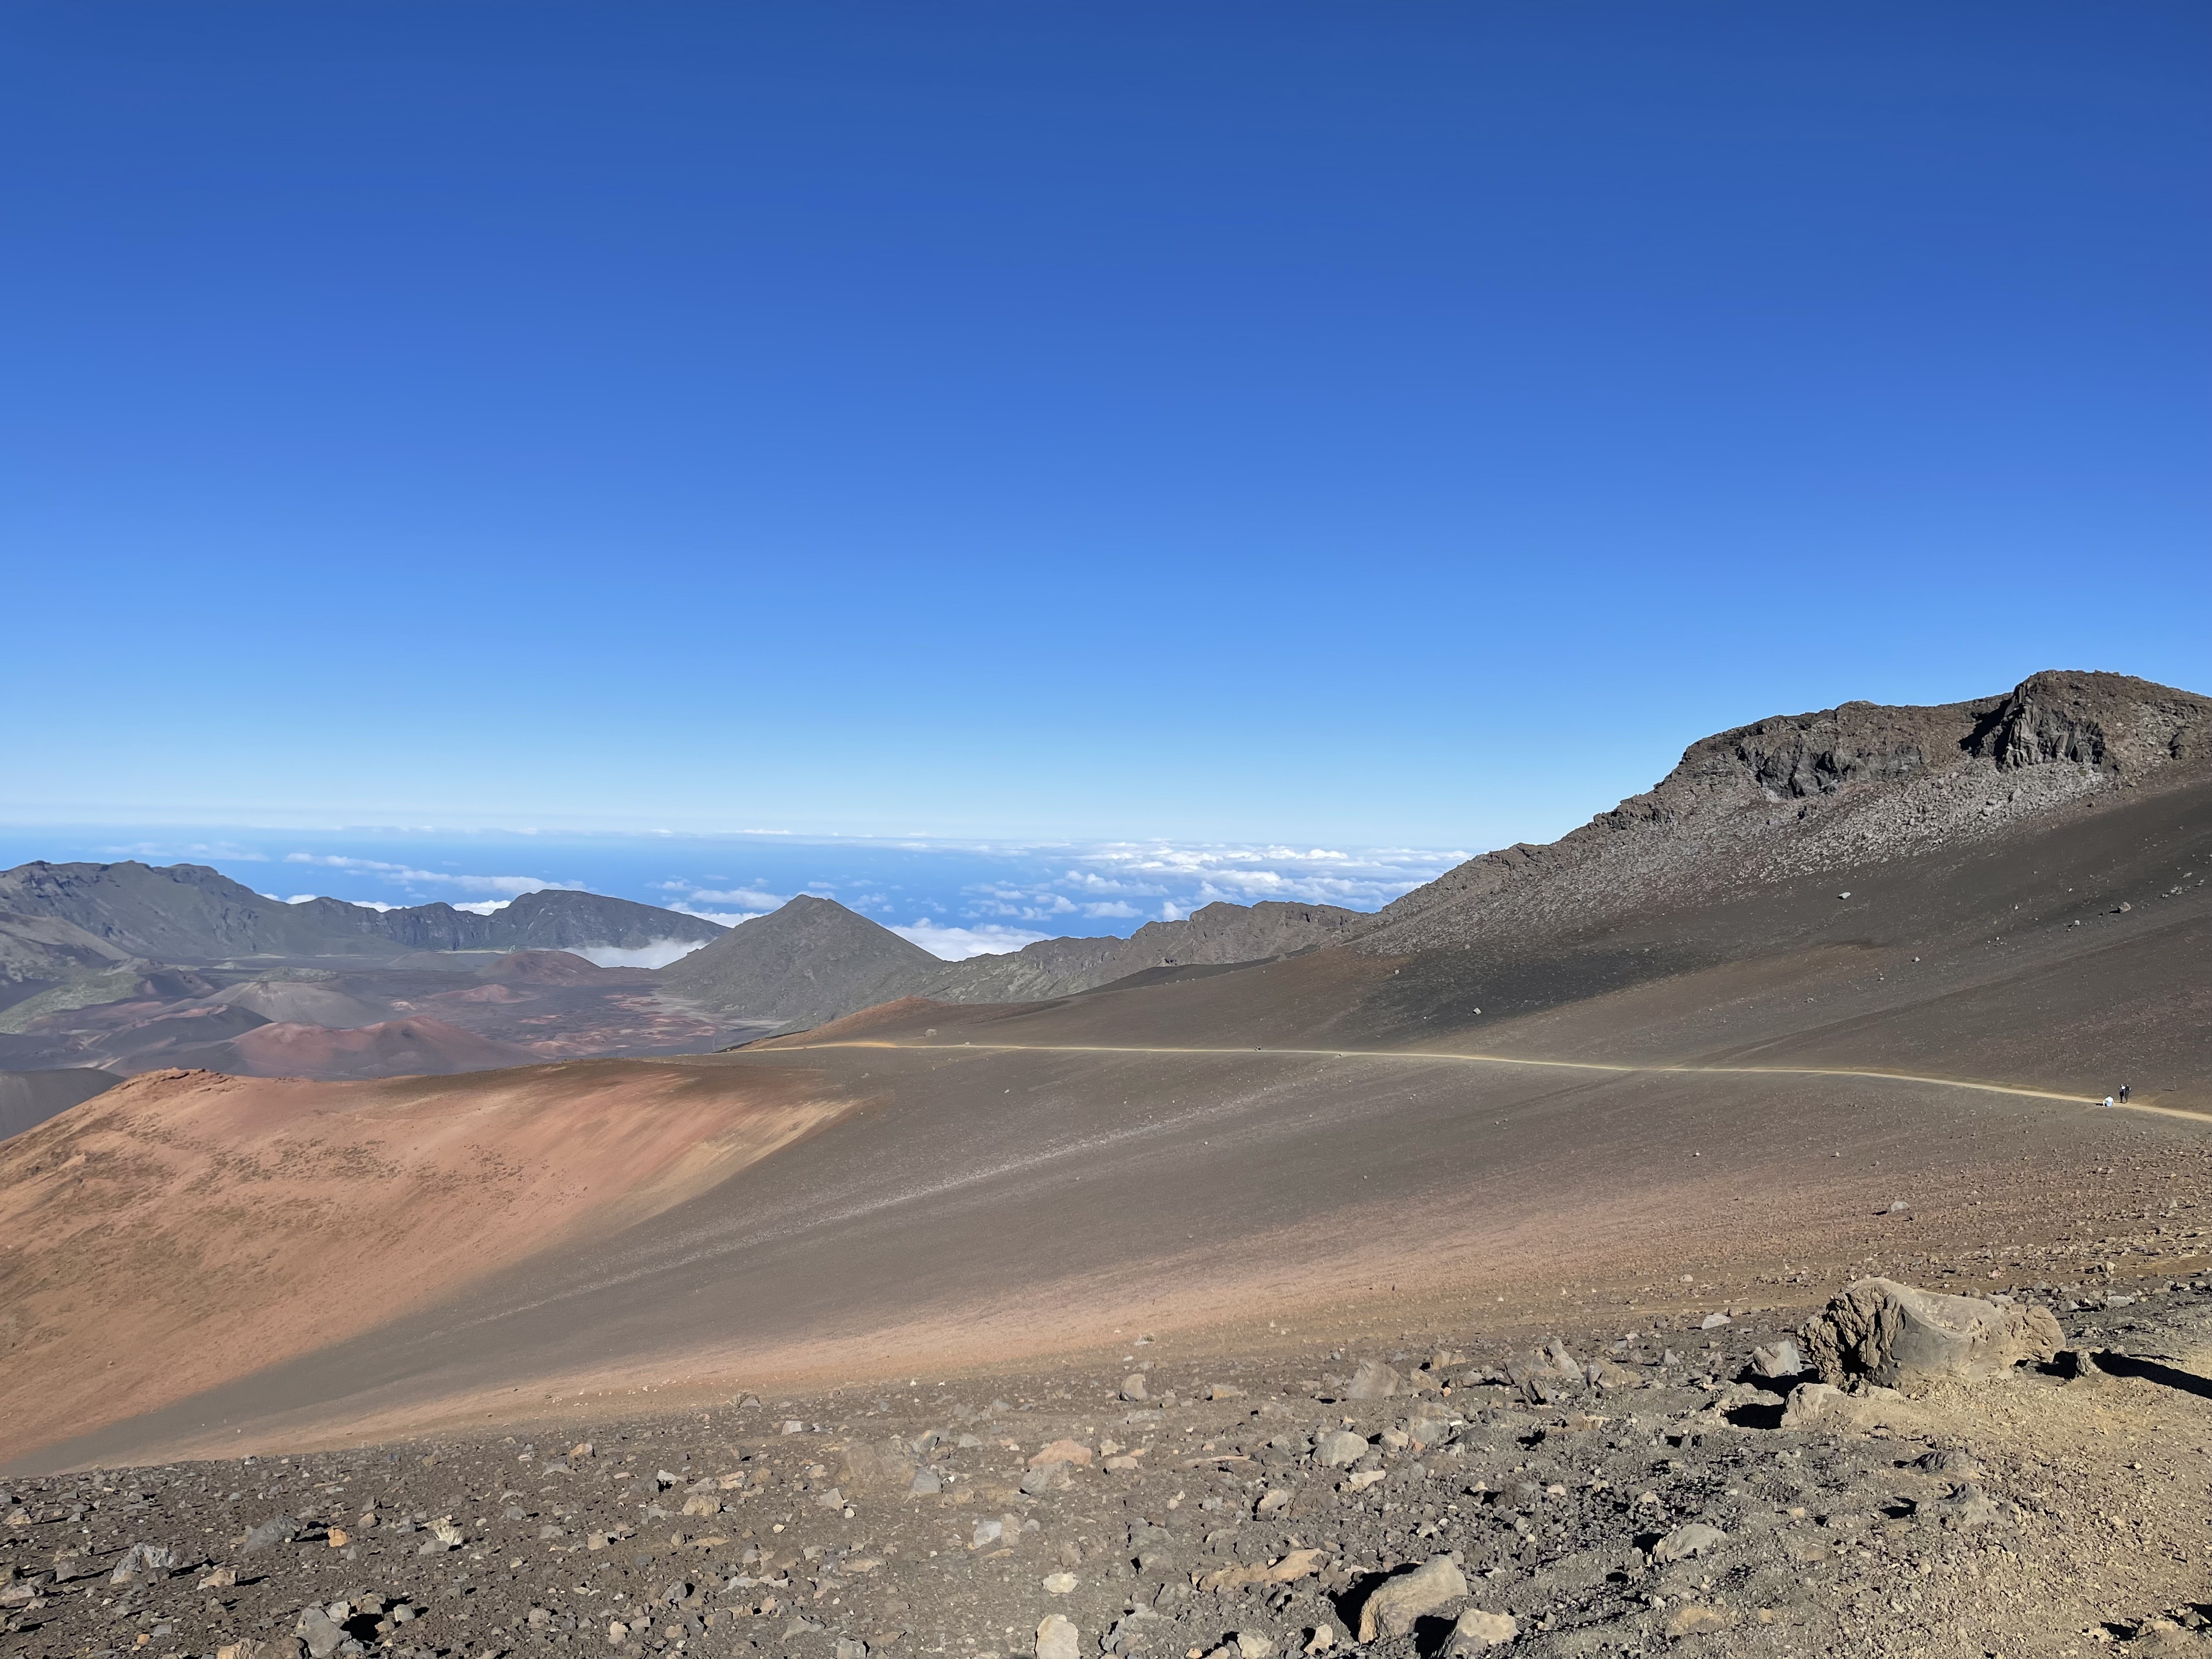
(1447, 1057)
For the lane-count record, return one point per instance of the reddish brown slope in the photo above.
(186, 1228)
(415, 1046)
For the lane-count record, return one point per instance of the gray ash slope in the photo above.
(190, 914)
(1598, 1492)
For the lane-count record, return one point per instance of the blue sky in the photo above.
(1318, 426)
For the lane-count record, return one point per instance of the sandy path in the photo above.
(1437, 1055)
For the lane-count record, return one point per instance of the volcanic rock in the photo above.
(1902, 1337)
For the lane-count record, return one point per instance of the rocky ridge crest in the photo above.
(1801, 794)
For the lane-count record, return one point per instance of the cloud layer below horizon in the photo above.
(954, 899)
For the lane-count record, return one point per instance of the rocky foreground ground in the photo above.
(1677, 1485)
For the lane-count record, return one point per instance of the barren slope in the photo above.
(1726, 1074)
(225, 1224)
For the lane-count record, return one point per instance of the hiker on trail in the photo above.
(2124, 1093)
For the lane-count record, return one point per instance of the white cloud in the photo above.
(1022, 906)
(958, 944)
(654, 953)
(720, 918)
(750, 897)
(405, 876)
(483, 907)
(224, 850)
(1117, 908)
(1199, 874)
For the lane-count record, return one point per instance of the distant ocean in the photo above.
(954, 898)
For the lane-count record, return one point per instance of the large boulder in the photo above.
(1898, 1336)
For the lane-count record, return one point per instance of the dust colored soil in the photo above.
(185, 1228)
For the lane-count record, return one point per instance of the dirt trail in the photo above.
(1430, 1054)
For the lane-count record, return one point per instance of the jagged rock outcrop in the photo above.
(1801, 794)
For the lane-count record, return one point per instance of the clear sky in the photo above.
(1378, 424)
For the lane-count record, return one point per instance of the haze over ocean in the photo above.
(1350, 426)
(956, 899)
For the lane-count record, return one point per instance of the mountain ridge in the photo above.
(1801, 794)
(189, 913)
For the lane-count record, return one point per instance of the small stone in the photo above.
(1949, 1460)
(1685, 1541)
(220, 1579)
(145, 1563)
(1824, 1407)
(1063, 1451)
(1691, 1619)
(1713, 1321)
(927, 1483)
(1324, 1639)
(849, 1649)
(1058, 1584)
(1478, 1630)
(1254, 1645)
(1340, 1448)
(1967, 1507)
(276, 1529)
(1046, 1477)
(1785, 1358)
(1373, 1381)
(987, 1533)
(617, 1632)
(1132, 1387)
(1398, 1602)
(1056, 1637)
(323, 1636)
